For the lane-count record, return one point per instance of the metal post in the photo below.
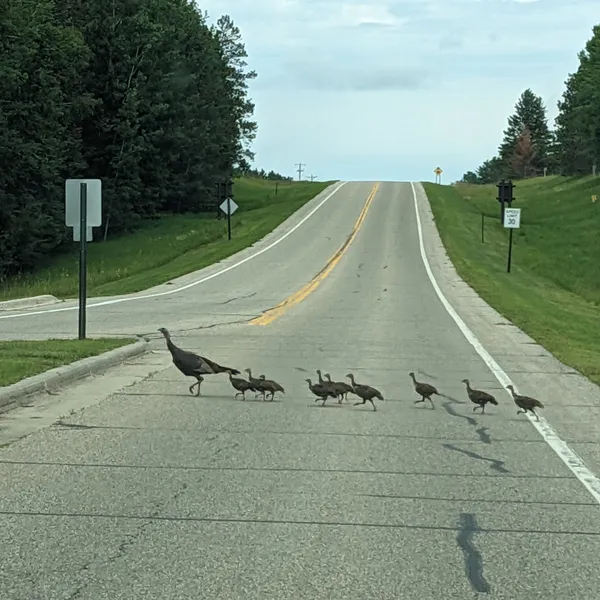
(219, 196)
(228, 218)
(482, 225)
(510, 236)
(276, 187)
(82, 259)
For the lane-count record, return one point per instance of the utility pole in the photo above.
(312, 178)
(300, 169)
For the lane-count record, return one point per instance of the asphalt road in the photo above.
(154, 494)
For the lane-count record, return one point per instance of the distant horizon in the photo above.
(328, 94)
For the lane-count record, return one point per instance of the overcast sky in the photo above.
(382, 90)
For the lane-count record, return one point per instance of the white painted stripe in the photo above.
(188, 285)
(574, 462)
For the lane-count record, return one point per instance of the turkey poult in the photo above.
(322, 392)
(193, 365)
(341, 388)
(241, 385)
(366, 392)
(256, 383)
(479, 397)
(268, 386)
(525, 403)
(425, 390)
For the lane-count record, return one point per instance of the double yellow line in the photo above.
(274, 313)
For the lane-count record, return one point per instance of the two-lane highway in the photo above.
(154, 494)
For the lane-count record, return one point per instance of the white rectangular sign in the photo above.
(89, 235)
(512, 218)
(73, 202)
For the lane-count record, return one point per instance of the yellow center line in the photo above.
(274, 313)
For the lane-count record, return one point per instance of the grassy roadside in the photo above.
(20, 359)
(553, 291)
(170, 247)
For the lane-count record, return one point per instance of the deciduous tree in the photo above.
(523, 158)
(144, 95)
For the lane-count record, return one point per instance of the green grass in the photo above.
(20, 359)
(553, 290)
(167, 248)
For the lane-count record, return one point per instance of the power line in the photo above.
(300, 170)
(312, 177)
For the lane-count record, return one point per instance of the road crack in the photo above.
(473, 558)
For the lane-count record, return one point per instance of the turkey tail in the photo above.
(222, 369)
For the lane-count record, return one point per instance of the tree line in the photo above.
(531, 148)
(144, 95)
(262, 174)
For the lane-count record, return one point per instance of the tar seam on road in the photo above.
(188, 285)
(485, 437)
(278, 470)
(473, 560)
(570, 458)
(298, 296)
(299, 522)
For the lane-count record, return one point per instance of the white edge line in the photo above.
(574, 462)
(188, 285)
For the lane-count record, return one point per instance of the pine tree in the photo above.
(241, 107)
(530, 114)
(491, 170)
(578, 120)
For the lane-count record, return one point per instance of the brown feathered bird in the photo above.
(479, 397)
(193, 365)
(341, 388)
(425, 390)
(268, 386)
(241, 385)
(322, 392)
(525, 403)
(366, 392)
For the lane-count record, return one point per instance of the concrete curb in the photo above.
(10, 395)
(28, 302)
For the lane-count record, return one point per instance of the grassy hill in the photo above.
(553, 290)
(168, 247)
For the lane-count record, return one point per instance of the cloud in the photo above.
(344, 78)
(431, 77)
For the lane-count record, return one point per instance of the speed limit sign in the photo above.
(512, 218)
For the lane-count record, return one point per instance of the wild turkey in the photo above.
(256, 383)
(525, 403)
(241, 385)
(425, 390)
(341, 388)
(479, 397)
(193, 365)
(268, 385)
(321, 391)
(366, 392)
(328, 385)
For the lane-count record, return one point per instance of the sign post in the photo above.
(438, 175)
(82, 260)
(228, 206)
(512, 220)
(505, 196)
(83, 211)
